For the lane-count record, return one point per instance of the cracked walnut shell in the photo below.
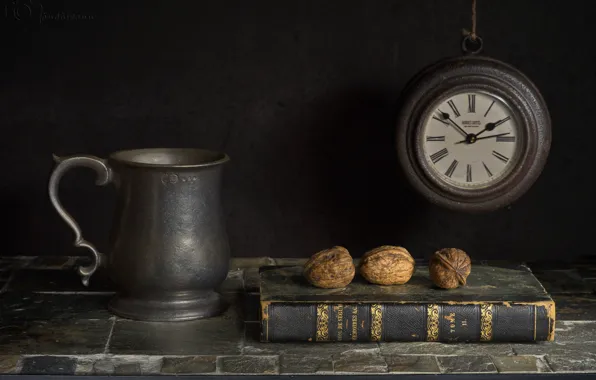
(330, 268)
(449, 268)
(387, 265)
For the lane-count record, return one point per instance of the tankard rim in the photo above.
(204, 157)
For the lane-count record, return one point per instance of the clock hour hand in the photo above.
(445, 116)
(487, 127)
(491, 126)
(476, 138)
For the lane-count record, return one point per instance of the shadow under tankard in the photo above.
(169, 248)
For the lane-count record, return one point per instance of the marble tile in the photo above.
(562, 281)
(214, 336)
(5, 275)
(466, 364)
(555, 348)
(587, 270)
(575, 363)
(9, 363)
(234, 282)
(252, 280)
(189, 365)
(250, 262)
(412, 364)
(59, 281)
(296, 261)
(303, 364)
(72, 337)
(572, 307)
(56, 262)
(49, 365)
(575, 332)
(22, 306)
(359, 361)
(520, 364)
(257, 365)
(125, 365)
(437, 348)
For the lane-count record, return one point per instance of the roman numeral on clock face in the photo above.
(454, 108)
(489, 107)
(487, 169)
(471, 103)
(435, 138)
(469, 173)
(451, 168)
(500, 156)
(438, 156)
(505, 138)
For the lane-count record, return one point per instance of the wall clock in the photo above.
(473, 132)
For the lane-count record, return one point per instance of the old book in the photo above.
(496, 305)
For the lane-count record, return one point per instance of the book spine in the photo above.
(407, 322)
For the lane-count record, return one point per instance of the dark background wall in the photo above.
(302, 95)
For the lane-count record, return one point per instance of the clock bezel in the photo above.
(474, 73)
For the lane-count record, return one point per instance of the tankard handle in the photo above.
(104, 176)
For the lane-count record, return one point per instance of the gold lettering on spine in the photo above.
(376, 326)
(340, 322)
(432, 323)
(486, 322)
(322, 323)
(354, 322)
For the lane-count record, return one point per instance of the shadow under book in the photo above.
(496, 305)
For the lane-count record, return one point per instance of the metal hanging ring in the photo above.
(470, 45)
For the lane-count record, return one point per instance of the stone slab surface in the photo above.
(412, 364)
(566, 281)
(573, 307)
(572, 364)
(73, 337)
(189, 364)
(303, 364)
(246, 364)
(203, 337)
(9, 363)
(360, 361)
(55, 365)
(466, 364)
(437, 348)
(51, 324)
(520, 364)
(26, 306)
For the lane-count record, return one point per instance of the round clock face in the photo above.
(470, 139)
(473, 133)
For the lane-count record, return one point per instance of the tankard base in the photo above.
(182, 307)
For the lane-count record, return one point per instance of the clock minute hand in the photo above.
(485, 137)
(459, 129)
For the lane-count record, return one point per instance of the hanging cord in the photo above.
(471, 36)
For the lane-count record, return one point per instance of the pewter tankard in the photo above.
(168, 249)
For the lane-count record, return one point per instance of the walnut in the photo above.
(387, 265)
(449, 268)
(330, 268)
